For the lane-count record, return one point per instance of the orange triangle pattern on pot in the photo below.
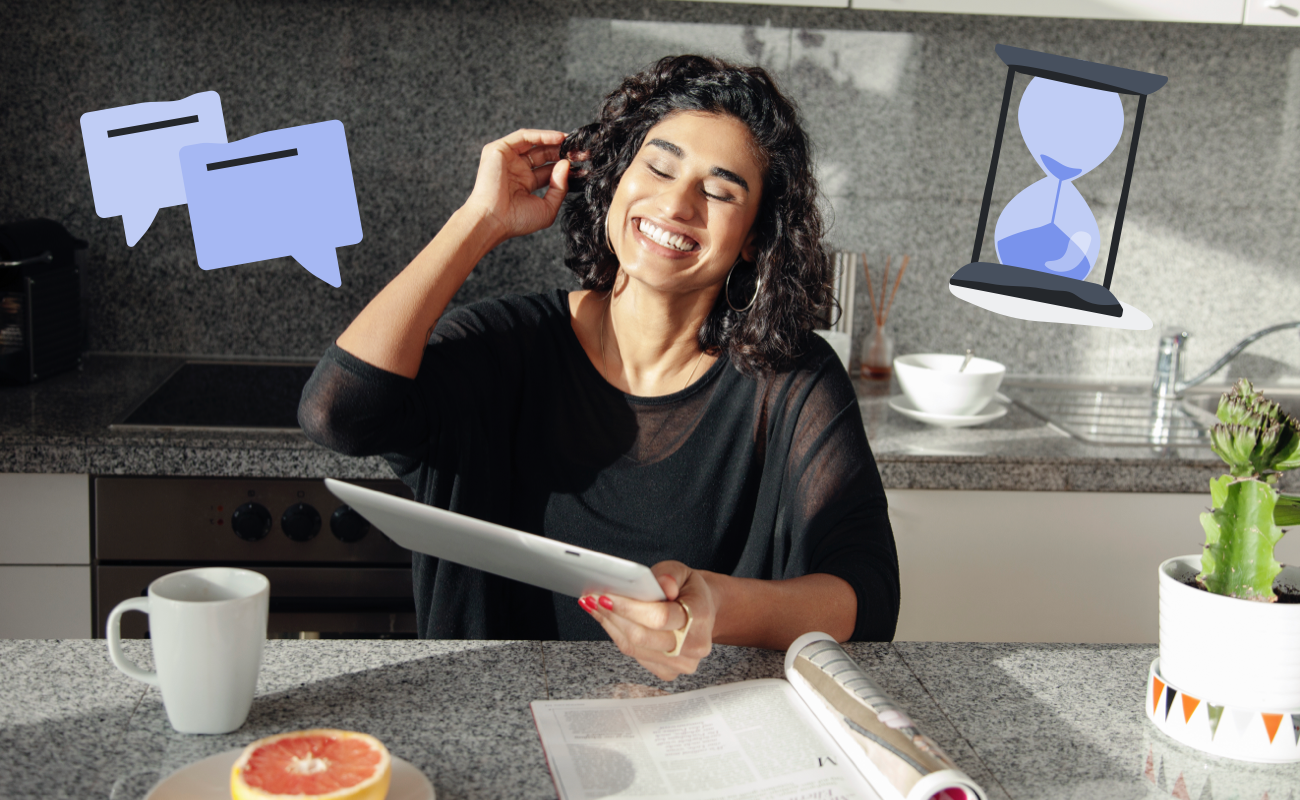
(1158, 686)
(1271, 722)
(1189, 707)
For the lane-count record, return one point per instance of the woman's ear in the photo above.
(749, 250)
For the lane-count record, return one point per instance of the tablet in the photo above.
(503, 551)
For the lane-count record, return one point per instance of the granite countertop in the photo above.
(61, 425)
(1024, 720)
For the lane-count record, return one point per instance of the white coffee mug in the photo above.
(208, 627)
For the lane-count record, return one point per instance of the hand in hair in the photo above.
(510, 170)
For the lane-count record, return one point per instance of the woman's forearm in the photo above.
(391, 331)
(772, 614)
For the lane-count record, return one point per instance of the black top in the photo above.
(509, 421)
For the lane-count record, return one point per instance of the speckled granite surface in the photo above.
(902, 109)
(1056, 722)
(1066, 721)
(62, 425)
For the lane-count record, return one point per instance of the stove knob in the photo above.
(348, 525)
(251, 522)
(300, 522)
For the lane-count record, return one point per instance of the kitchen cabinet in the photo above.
(1223, 11)
(817, 3)
(1220, 11)
(1040, 566)
(1273, 12)
(44, 556)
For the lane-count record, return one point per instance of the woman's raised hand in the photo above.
(645, 630)
(509, 171)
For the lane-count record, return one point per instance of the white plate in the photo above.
(990, 412)
(209, 779)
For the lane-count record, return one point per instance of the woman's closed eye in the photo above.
(726, 198)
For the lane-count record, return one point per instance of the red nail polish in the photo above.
(587, 603)
(606, 602)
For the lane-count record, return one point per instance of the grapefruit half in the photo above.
(319, 764)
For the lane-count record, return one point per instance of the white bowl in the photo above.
(933, 384)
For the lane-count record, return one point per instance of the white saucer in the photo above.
(990, 412)
(209, 779)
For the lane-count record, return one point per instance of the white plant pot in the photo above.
(1236, 652)
(1221, 655)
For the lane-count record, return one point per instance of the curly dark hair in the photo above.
(791, 262)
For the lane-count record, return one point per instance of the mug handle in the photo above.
(114, 630)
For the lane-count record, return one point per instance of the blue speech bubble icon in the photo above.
(131, 152)
(280, 193)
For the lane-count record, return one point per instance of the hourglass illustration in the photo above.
(1047, 240)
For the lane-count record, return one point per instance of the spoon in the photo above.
(969, 355)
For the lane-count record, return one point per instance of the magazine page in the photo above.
(752, 740)
(900, 761)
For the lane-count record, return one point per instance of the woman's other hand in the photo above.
(509, 171)
(645, 630)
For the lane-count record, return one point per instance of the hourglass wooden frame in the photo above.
(1028, 284)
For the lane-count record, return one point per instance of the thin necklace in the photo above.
(609, 305)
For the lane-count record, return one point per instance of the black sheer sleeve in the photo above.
(358, 409)
(468, 382)
(838, 518)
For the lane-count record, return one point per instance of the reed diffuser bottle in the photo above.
(877, 346)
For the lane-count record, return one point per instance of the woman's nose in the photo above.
(677, 201)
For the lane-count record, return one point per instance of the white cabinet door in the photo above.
(1273, 12)
(44, 519)
(44, 556)
(45, 603)
(1040, 566)
(1226, 11)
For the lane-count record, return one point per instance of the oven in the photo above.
(332, 574)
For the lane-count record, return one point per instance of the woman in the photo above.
(677, 411)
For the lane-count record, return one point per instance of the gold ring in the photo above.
(529, 156)
(680, 633)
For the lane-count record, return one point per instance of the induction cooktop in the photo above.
(225, 396)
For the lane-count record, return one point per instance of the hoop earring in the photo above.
(727, 289)
(608, 243)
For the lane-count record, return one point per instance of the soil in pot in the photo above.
(1285, 591)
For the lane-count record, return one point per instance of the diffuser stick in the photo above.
(871, 295)
(884, 316)
(884, 286)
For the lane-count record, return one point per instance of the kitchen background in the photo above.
(902, 108)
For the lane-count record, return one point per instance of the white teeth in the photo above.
(662, 237)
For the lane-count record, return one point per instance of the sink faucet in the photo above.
(1169, 381)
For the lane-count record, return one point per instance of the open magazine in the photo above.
(827, 732)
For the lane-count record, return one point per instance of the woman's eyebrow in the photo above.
(718, 172)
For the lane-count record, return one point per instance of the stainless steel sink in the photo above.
(1127, 414)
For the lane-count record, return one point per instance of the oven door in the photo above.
(306, 602)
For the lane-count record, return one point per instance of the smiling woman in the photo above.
(751, 177)
(676, 411)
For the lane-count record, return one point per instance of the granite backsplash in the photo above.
(901, 107)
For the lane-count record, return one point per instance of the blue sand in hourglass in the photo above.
(1069, 130)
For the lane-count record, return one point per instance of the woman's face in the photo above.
(685, 209)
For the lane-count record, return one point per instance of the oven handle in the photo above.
(347, 605)
(45, 257)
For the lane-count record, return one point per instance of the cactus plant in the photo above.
(1257, 440)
